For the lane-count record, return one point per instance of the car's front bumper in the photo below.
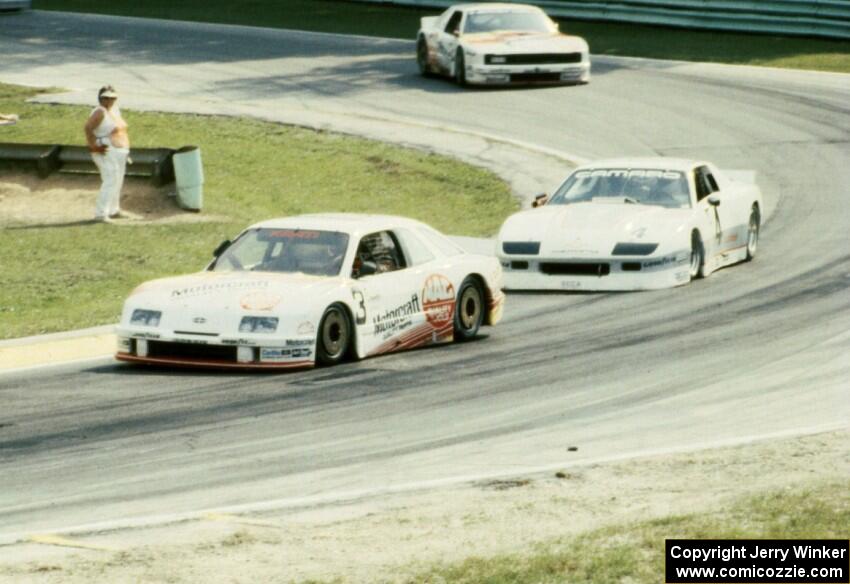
(154, 347)
(596, 274)
(481, 74)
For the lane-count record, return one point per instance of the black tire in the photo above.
(753, 233)
(469, 310)
(422, 57)
(697, 256)
(460, 68)
(334, 340)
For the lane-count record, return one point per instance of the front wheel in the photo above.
(469, 310)
(753, 233)
(460, 68)
(697, 256)
(422, 58)
(334, 340)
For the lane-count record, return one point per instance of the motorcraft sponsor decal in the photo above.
(438, 300)
(213, 287)
(260, 300)
(397, 319)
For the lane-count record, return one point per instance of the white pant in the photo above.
(111, 166)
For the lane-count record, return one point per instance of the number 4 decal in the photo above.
(360, 315)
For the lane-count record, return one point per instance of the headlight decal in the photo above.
(521, 247)
(142, 317)
(258, 324)
(634, 249)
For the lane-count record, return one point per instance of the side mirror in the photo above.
(456, 32)
(221, 247)
(714, 200)
(540, 200)
(367, 268)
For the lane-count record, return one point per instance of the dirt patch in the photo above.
(69, 199)
(389, 538)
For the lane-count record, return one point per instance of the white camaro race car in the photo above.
(315, 288)
(633, 224)
(499, 44)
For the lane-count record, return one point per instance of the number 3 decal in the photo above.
(360, 316)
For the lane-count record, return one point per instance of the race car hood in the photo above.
(214, 297)
(593, 229)
(520, 43)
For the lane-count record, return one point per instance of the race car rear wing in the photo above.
(741, 176)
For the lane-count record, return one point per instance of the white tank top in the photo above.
(108, 123)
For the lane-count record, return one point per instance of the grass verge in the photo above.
(60, 278)
(605, 38)
(635, 553)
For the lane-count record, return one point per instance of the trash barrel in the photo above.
(189, 176)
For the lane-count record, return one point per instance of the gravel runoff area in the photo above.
(394, 538)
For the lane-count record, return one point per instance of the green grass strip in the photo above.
(61, 278)
(634, 553)
(605, 38)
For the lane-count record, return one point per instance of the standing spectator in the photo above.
(109, 143)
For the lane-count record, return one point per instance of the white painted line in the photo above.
(229, 518)
(53, 539)
(84, 361)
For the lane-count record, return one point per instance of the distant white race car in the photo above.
(633, 224)
(500, 44)
(315, 288)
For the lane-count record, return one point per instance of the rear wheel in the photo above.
(334, 339)
(422, 57)
(469, 310)
(753, 233)
(697, 256)
(460, 68)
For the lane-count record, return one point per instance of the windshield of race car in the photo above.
(503, 20)
(664, 188)
(318, 253)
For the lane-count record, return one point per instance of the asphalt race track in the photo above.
(757, 350)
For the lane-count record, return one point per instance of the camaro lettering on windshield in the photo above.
(295, 234)
(622, 172)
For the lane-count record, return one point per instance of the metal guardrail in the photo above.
(45, 159)
(822, 18)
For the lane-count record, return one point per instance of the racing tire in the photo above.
(696, 269)
(753, 233)
(335, 331)
(460, 68)
(469, 310)
(422, 58)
